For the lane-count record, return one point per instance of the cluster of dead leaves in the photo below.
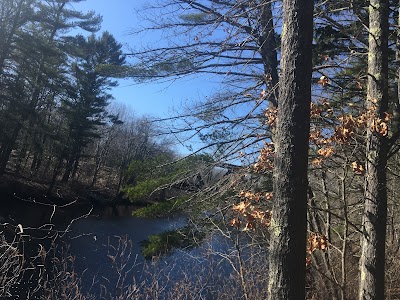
(324, 81)
(250, 216)
(248, 213)
(345, 131)
(380, 125)
(357, 168)
(346, 128)
(317, 161)
(316, 110)
(256, 197)
(315, 241)
(317, 138)
(270, 115)
(349, 124)
(325, 151)
(265, 161)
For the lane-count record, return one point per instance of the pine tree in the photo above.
(85, 107)
(34, 64)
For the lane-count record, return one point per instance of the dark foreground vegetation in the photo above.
(50, 274)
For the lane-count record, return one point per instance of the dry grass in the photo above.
(240, 273)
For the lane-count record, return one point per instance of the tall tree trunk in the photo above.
(396, 111)
(268, 49)
(372, 262)
(289, 218)
(5, 151)
(68, 169)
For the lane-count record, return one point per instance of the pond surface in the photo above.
(94, 241)
(97, 241)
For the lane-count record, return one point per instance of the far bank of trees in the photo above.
(56, 118)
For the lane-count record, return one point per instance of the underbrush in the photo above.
(49, 273)
(241, 272)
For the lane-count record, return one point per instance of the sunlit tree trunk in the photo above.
(372, 262)
(289, 219)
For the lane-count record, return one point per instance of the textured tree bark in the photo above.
(372, 262)
(289, 219)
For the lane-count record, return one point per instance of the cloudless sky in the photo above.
(154, 99)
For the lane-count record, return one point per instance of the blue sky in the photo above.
(154, 99)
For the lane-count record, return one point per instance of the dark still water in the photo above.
(106, 246)
(99, 239)
(98, 243)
